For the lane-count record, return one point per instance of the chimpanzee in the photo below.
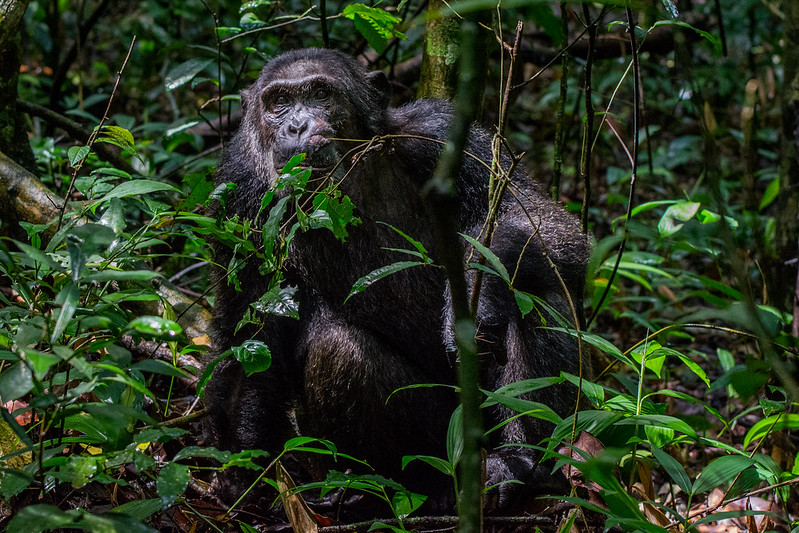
(334, 368)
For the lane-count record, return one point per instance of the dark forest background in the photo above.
(670, 127)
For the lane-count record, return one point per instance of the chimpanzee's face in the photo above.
(307, 111)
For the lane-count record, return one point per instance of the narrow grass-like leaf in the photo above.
(674, 469)
(490, 256)
(375, 275)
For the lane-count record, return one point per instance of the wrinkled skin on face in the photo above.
(309, 107)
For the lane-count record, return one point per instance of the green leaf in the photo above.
(527, 407)
(158, 434)
(172, 482)
(40, 361)
(406, 502)
(114, 216)
(139, 510)
(376, 25)
(779, 422)
(40, 517)
(196, 451)
(770, 194)
(185, 72)
(68, 299)
(375, 275)
(245, 460)
(712, 39)
(524, 302)
(76, 154)
(254, 356)
(455, 437)
(664, 421)
(442, 465)
(674, 469)
(720, 471)
(156, 366)
(15, 381)
(133, 188)
(279, 301)
(119, 137)
(675, 216)
(155, 327)
(120, 275)
(490, 256)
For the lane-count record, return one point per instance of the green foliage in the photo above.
(694, 336)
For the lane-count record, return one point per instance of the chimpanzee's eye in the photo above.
(281, 100)
(321, 93)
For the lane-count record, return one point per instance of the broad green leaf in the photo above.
(406, 502)
(120, 275)
(665, 421)
(279, 301)
(523, 302)
(138, 509)
(119, 137)
(77, 153)
(184, 72)
(245, 459)
(442, 465)
(133, 188)
(658, 436)
(770, 194)
(527, 407)
(39, 256)
(778, 422)
(195, 451)
(694, 367)
(155, 327)
(114, 216)
(158, 434)
(455, 437)
(721, 471)
(15, 381)
(172, 482)
(254, 356)
(675, 216)
(712, 39)
(40, 361)
(376, 25)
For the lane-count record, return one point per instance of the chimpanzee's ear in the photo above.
(378, 80)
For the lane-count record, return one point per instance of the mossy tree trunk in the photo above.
(13, 133)
(442, 52)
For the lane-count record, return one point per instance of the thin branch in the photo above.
(93, 136)
(634, 164)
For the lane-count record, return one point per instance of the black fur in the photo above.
(335, 367)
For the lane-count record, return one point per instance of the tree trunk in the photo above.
(439, 76)
(13, 133)
(788, 199)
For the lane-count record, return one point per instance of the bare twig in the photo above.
(93, 136)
